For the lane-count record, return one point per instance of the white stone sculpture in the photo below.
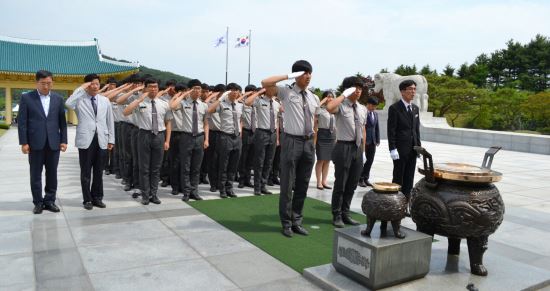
(389, 84)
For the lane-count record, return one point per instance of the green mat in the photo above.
(256, 219)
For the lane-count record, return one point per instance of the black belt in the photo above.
(265, 130)
(229, 134)
(150, 131)
(346, 141)
(303, 137)
(249, 130)
(188, 133)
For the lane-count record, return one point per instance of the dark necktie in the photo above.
(94, 105)
(235, 120)
(154, 120)
(252, 119)
(271, 116)
(195, 126)
(409, 110)
(371, 117)
(308, 129)
(331, 123)
(358, 127)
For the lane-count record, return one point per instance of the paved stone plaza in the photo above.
(171, 246)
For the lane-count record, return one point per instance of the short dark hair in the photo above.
(205, 86)
(148, 81)
(219, 88)
(405, 84)
(181, 87)
(352, 81)
(194, 82)
(372, 100)
(42, 74)
(326, 93)
(250, 88)
(111, 80)
(302, 65)
(91, 77)
(210, 88)
(171, 82)
(233, 86)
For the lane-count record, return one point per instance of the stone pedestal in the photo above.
(381, 262)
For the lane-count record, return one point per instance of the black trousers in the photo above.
(246, 161)
(348, 164)
(403, 170)
(115, 152)
(92, 161)
(297, 159)
(212, 157)
(151, 150)
(264, 152)
(165, 167)
(191, 154)
(276, 163)
(175, 161)
(38, 160)
(135, 141)
(204, 165)
(126, 141)
(228, 148)
(369, 154)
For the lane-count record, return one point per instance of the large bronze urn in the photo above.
(385, 203)
(459, 201)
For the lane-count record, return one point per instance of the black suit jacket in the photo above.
(373, 130)
(403, 129)
(35, 128)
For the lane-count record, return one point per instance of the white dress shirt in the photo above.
(45, 99)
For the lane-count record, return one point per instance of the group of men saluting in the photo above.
(192, 133)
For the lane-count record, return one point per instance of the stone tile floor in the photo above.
(173, 247)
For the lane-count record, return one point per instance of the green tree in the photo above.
(426, 70)
(448, 71)
(406, 70)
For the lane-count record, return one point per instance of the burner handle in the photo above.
(428, 163)
(489, 155)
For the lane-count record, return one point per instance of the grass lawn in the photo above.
(256, 219)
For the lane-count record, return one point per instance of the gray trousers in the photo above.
(297, 159)
(126, 142)
(175, 161)
(151, 149)
(265, 143)
(228, 149)
(348, 165)
(191, 154)
(212, 157)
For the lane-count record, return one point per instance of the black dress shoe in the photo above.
(299, 230)
(213, 189)
(362, 184)
(135, 195)
(118, 176)
(154, 199)
(144, 200)
(287, 231)
(99, 203)
(38, 208)
(241, 184)
(270, 183)
(368, 183)
(265, 191)
(195, 196)
(230, 193)
(276, 181)
(88, 205)
(163, 184)
(51, 207)
(185, 198)
(174, 192)
(248, 184)
(337, 222)
(107, 172)
(327, 187)
(348, 220)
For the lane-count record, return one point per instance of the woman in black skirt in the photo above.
(324, 140)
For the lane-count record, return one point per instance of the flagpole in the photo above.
(226, 52)
(249, 48)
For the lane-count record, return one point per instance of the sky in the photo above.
(339, 38)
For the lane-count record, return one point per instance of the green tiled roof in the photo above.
(62, 58)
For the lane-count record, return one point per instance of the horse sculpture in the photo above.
(388, 83)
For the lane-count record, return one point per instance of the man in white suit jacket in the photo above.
(95, 134)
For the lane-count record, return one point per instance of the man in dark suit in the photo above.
(373, 140)
(42, 132)
(403, 135)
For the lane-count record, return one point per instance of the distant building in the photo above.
(69, 62)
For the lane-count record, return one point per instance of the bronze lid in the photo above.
(464, 173)
(385, 187)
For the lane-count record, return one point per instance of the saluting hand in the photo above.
(85, 85)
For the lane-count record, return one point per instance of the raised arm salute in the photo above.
(297, 147)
